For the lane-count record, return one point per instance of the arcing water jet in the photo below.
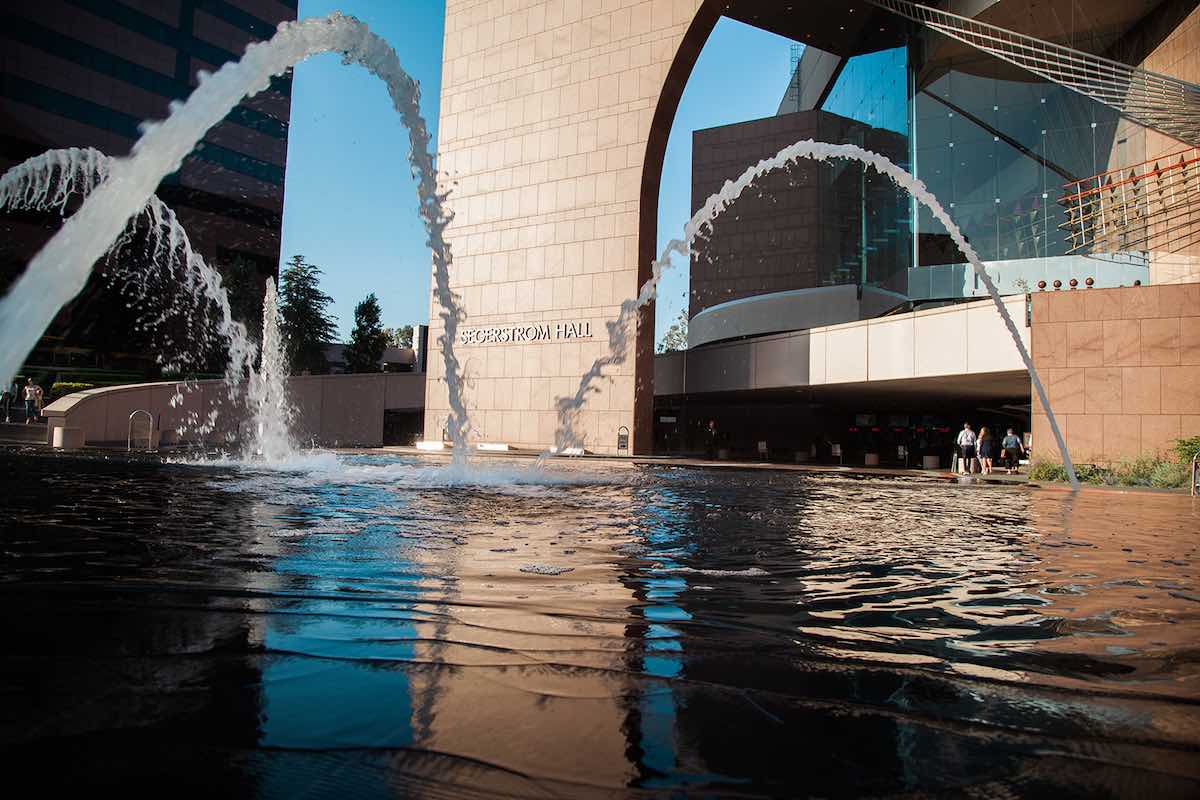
(60, 270)
(620, 328)
(51, 180)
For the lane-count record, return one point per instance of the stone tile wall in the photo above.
(546, 109)
(1121, 368)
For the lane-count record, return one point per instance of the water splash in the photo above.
(270, 407)
(60, 270)
(164, 273)
(619, 330)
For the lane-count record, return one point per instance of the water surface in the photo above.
(380, 627)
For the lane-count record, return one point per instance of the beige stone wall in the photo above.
(546, 110)
(1121, 368)
(331, 410)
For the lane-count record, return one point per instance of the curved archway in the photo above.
(669, 98)
(59, 271)
(650, 267)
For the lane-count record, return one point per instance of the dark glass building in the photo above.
(87, 73)
(802, 227)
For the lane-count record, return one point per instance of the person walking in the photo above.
(710, 434)
(966, 444)
(7, 396)
(33, 400)
(1011, 450)
(987, 450)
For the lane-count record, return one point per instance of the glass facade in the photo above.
(997, 151)
(873, 89)
(995, 145)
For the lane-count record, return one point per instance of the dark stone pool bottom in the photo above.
(361, 629)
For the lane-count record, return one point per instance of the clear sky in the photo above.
(741, 74)
(350, 201)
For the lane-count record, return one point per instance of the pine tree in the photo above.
(307, 326)
(368, 340)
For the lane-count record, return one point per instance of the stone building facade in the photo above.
(1121, 369)
(547, 114)
(553, 124)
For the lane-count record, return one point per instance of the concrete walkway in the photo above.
(702, 463)
(20, 433)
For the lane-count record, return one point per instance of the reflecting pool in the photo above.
(379, 627)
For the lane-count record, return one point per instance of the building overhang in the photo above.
(842, 28)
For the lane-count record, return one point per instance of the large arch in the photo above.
(684, 62)
(852, 20)
(682, 65)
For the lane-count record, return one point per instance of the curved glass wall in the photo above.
(873, 89)
(994, 143)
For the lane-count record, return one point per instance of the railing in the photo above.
(1127, 208)
(1159, 101)
(149, 430)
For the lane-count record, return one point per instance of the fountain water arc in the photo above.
(620, 328)
(60, 270)
(48, 181)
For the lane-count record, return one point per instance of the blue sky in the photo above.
(741, 74)
(350, 202)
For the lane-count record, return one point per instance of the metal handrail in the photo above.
(149, 430)
(1133, 177)
(1158, 101)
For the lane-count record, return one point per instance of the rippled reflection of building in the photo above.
(473, 659)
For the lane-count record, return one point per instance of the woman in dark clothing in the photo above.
(987, 450)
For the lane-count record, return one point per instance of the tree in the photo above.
(368, 339)
(306, 324)
(400, 337)
(676, 337)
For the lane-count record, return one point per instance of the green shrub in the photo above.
(1142, 471)
(64, 388)
(1136, 472)
(1090, 473)
(1187, 449)
(1171, 475)
(1047, 471)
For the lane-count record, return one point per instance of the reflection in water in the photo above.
(379, 627)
